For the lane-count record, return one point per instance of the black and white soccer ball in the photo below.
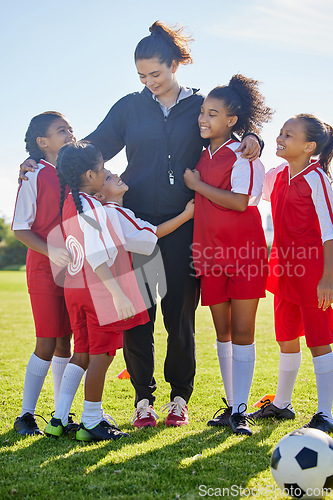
(302, 463)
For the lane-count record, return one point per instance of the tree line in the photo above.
(12, 251)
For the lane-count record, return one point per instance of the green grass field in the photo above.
(162, 463)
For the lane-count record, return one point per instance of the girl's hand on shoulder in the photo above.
(189, 210)
(123, 305)
(29, 165)
(249, 147)
(325, 292)
(59, 256)
(191, 178)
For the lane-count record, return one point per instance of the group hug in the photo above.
(181, 222)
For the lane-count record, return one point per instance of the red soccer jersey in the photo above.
(85, 294)
(228, 239)
(302, 210)
(37, 209)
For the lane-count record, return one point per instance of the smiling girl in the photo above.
(301, 262)
(229, 248)
(99, 306)
(36, 214)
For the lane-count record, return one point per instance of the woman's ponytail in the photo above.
(167, 44)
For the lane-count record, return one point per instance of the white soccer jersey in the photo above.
(137, 235)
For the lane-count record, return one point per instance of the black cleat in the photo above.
(269, 410)
(318, 421)
(221, 420)
(239, 422)
(71, 426)
(102, 431)
(27, 425)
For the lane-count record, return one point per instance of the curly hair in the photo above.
(242, 98)
(167, 44)
(322, 134)
(74, 159)
(38, 127)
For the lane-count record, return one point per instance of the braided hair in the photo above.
(242, 98)
(167, 44)
(322, 134)
(74, 159)
(38, 127)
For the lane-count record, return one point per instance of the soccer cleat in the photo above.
(27, 425)
(269, 410)
(144, 415)
(101, 432)
(222, 419)
(239, 422)
(177, 412)
(321, 422)
(55, 428)
(71, 426)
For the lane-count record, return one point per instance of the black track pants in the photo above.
(178, 308)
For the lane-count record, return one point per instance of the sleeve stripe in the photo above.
(251, 178)
(92, 206)
(328, 203)
(133, 222)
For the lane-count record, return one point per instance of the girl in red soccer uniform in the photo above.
(98, 307)
(36, 214)
(229, 248)
(301, 262)
(140, 237)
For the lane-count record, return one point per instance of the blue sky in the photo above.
(76, 57)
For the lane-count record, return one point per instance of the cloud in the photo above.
(302, 26)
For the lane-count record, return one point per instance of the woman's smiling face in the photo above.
(157, 76)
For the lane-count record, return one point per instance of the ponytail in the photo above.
(166, 44)
(322, 134)
(325, 157)
(242, 98)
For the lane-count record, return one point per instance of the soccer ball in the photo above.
(302, 463)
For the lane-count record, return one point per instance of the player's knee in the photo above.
(45, 348)
(81, 359)
(63, 347)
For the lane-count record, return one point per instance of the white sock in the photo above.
(243, 360)
(92, 413)
(69, 385)
(35, 374)
(288, 369)
(323, 368)
(224, 352)
(58, 366)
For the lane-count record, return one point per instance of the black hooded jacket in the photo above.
(154, 145)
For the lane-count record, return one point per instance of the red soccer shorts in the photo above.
(89, 335)
(50, 315)
(222, 287)
(293, 321)
(97, 341)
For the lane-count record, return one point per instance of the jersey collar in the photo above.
(45, 163)
(229, 141)
(312, 166)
